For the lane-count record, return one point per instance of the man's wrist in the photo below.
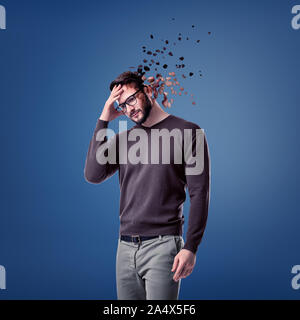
(103, 118)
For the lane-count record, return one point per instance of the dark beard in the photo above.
(147, 109)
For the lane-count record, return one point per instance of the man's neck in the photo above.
(156, 115)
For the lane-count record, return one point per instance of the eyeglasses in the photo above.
(131, 101)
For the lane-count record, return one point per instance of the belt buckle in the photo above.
(134, 236)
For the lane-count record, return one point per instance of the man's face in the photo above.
(141, 110)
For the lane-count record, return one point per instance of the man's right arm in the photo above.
(95, 172)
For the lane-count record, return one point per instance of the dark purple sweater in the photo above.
(152, 195)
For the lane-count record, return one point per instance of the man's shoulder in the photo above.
(184, 124)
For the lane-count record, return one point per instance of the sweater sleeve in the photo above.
(95, 171)
(199, 192)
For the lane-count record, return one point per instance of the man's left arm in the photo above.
(198, 183)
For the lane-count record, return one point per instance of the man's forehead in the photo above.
(127, 91)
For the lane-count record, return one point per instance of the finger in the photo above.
(175, 264)
(117, 94)
(185, 273)
(117, 87)
(118, 91)
(180, 275)
(116, 97)
(178, 272)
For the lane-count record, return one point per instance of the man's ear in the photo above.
(149, 91)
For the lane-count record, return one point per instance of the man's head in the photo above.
(136, 94)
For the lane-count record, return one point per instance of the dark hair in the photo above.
(128, 77)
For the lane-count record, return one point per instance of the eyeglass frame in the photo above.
(124, 103)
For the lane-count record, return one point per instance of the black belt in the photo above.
(137, 238)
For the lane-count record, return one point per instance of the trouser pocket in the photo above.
(179, 243)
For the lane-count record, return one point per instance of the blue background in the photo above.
(58, 233)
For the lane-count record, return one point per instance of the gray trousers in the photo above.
(143, 270)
